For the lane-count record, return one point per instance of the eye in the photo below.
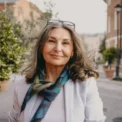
(51, 40)
(66, 42)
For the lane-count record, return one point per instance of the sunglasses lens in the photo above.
(70, 24)
(53, 21)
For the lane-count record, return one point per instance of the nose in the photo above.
(58, 47)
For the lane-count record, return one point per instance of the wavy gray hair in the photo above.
(79, 66)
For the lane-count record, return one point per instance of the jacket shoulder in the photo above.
(91, 81)
(20, 88)
(86, 87)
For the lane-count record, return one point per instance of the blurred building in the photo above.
(27, 14)
(30, 17)
(111, 39)
(4, 3)
(92, 43)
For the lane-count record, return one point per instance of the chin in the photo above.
(57, 63)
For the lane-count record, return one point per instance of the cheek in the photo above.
(70, 52)
(45, 49)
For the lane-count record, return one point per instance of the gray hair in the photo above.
(79, 66)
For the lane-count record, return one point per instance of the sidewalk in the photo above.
(101, 72)
(110, 92)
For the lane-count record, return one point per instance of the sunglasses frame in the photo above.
(68, 23)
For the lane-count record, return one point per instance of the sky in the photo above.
(89, 16)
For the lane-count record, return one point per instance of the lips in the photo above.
(56, 56)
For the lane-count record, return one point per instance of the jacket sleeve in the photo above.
(14, 113)
(94, 104)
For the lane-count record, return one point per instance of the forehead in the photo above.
(60, 32)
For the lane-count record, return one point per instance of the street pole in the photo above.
(118, 8)
(118, 57)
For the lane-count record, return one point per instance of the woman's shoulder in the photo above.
(20, 80)
(87, 85)
(87, 81)
(20, 83)
(20, 89)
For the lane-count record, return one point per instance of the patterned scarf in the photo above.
(49, 94)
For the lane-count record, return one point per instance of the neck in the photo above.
(53, 72)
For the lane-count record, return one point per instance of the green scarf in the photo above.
(49, 94)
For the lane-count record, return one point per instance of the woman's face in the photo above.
(58, 48)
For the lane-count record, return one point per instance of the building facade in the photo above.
(27, 14)
(114, 24)
(92, 45)
(4, 3)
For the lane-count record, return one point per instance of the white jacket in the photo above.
(82, 102)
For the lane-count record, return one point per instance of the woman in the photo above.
(60, 83)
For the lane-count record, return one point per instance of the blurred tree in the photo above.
(109, 55)
(49, 10)
(10, 48)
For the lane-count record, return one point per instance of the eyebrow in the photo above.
(56, 39)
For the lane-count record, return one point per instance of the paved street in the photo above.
(110, 92)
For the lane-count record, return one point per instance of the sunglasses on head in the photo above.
(70, 24)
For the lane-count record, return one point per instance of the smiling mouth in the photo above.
(56, 56)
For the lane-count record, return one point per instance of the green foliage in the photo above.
(10, 48)
(49, 10)
(48, 7)
(117, 79)
(47, 15)
(109, 55)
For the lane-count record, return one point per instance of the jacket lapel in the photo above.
(30, 109)
(69, 98)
